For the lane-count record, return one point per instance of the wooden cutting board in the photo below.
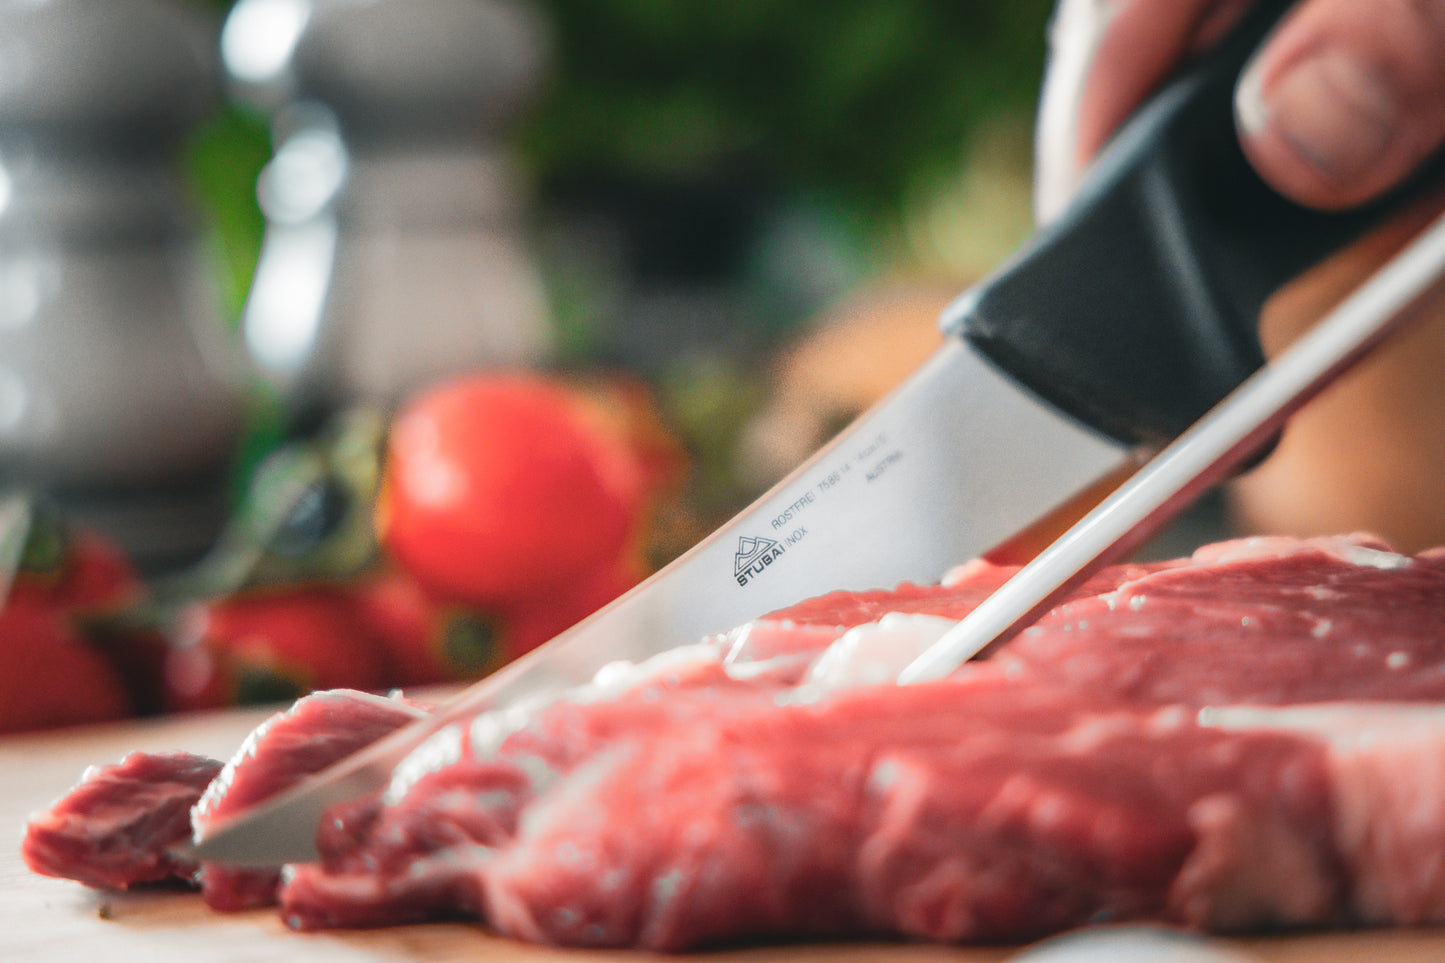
(47, 920)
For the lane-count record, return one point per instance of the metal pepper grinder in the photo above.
(120, 397)
(394, 252)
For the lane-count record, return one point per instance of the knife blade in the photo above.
(867, 510)
(1115, 327)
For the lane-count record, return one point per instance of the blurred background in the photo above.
(697, 184)
(783, 150)
(238, 239)
(698, 189)
(682, 194)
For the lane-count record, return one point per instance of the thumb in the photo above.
(1346, 99)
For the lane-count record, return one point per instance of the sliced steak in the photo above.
(117, 827)
(1249, 738)
(114, 830)
(1082, 774)
(318, 730)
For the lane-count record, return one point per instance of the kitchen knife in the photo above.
(1207, 453)
(1112, 330)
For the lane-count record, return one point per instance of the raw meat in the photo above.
(1096, 768)
(1253, 737)
(115, 829)
(317, 731)
(1270, 621)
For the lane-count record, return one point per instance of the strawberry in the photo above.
(54, 670)
(432, 641)
(72, 567)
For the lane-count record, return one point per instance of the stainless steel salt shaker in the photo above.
(395, 252)
(121, 398)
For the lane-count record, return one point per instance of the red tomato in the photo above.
(272, 645)
(538, 619)
(430, 641)
(84, 572)
(646, 458)
(49, 675)
(496, 487)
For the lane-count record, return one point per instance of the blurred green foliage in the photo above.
(862, 105)
(868, 102)
(223, 160)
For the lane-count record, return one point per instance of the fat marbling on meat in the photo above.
(1178, 742)
(1252, 737)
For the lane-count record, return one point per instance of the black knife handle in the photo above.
(1137, 309)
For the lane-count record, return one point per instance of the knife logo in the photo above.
(753, 557)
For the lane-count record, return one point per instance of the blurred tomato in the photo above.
(498, 486)
(271, 645)
(54, 670)
(538, 619)
(430, 641)
(647, 461)
(49, 675)
(74, 568)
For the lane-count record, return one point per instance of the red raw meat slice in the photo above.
(1387, 778)
(707, 815)
(957, 594)
(231, 889)
(1260, 623)
(115, 829)
(810, 825)
(805, 629)
(1082, 774)
(465, 802)
(289, 746)
(1249, 738)
(417, 860)
(306, 738)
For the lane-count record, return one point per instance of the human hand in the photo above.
(1341, 103)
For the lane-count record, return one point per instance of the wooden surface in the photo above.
(47, 920)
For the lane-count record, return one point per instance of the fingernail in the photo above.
(1338, 114)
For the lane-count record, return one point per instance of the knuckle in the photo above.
(1403, 39)
(1428, 15)
(1415, 31)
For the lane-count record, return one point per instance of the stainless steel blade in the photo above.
(1201, 457)
(954, 462)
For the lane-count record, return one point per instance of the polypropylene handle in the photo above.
(1137, 310)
